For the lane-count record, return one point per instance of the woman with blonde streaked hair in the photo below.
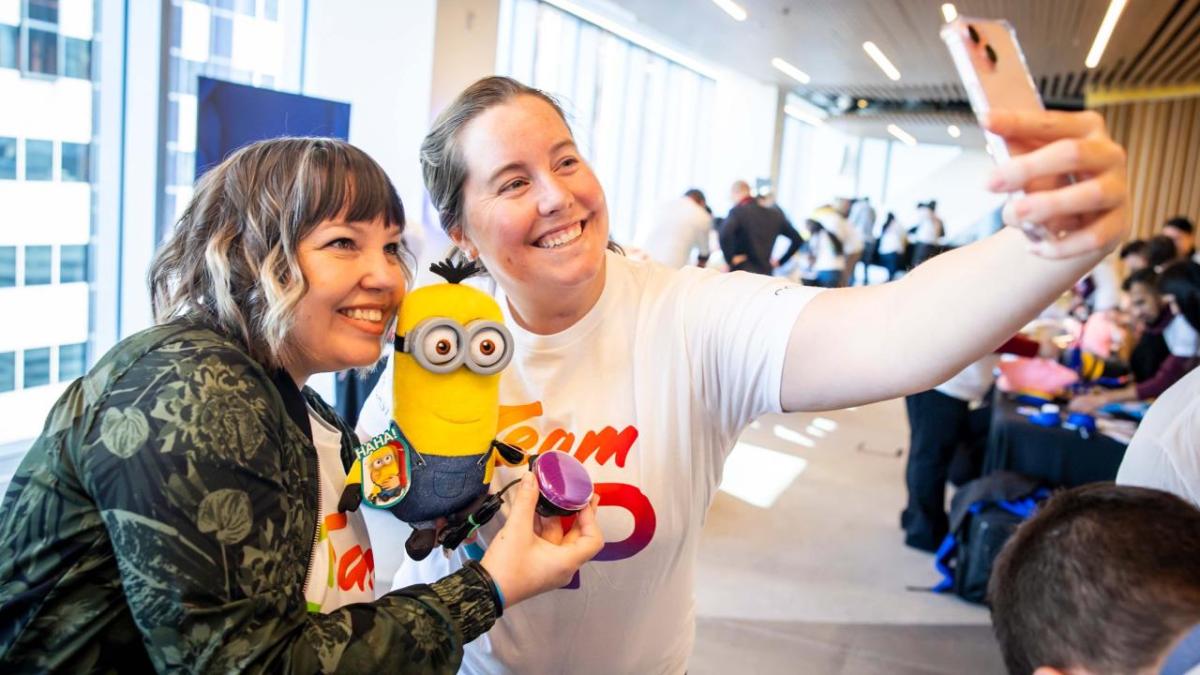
(179, 510)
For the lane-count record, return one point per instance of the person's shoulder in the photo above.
(175, 351)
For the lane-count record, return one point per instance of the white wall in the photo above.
(743, 136)
(378, 57)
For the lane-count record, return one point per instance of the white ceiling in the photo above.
(1156, 42)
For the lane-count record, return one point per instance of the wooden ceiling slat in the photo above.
(1187, 58)
(1180, 43)
(1163, 40)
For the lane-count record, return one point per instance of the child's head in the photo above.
(1145, 303)
(1103, 579)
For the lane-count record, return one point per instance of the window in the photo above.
(8, 158)
(620, 96)
(37, 367)
(8, 266)
(8, 371)
(43, 52)
(72, 264)
(75, 162)
(8, 45)
(222, 36)
(37, 265)
(39, 160)
(72, 361)
(77, 58)
(44, 10)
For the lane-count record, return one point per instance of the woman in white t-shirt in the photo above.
(648, 375)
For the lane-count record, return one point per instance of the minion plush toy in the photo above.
(436, 459)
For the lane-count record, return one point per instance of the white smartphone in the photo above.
(993, 71)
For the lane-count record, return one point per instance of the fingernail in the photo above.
(1021, 208)
(996, 182)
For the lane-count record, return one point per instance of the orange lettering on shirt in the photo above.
(559, 437)
(357, 569)
(607, 443)
(513, 414)
(335, 522)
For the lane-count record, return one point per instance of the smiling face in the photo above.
(355, 283)
(534, 212)
(1145, 304)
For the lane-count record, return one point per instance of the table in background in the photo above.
(1060, 457)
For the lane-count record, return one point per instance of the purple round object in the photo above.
(564, 483)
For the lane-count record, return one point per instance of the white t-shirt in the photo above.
(1165, 452)
(679, 227)
(974, 381)
(1181, 338)
(825, 258)
(651, 389)
(342, 568)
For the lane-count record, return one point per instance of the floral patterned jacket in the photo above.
(165, 519)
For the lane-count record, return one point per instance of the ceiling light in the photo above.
(790, 70)
(881, 60)
(949, 12)
(1105, 32)
(803, 115)
(732, 9)
(862, 103)
(901, 134)
(953, 131)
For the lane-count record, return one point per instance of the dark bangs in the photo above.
(339, 181)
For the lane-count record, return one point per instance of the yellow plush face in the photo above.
(454, 413)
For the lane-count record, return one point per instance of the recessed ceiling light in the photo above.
(901, 134)
(953, 131)
(1105, 32)
(790, 70)
(882, 61)
(949, 12)
(732, 9)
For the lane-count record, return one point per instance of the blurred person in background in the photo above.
(1182, 231)
(926, 234)
(891, 243)
(679, 231)
(749, 233)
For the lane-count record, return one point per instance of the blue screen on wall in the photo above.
(232, 115)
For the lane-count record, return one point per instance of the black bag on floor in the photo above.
(983, 515)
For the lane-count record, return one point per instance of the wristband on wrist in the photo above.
(497, 595)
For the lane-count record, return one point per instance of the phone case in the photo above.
(993, 70)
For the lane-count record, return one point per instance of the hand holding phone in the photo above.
(993, 71)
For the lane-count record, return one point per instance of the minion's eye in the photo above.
(488, 347)
(441, 345)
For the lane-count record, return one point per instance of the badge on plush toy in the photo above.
(435, 461)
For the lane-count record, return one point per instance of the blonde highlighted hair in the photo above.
(231, 262)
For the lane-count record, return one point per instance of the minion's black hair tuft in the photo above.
(455, 270)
